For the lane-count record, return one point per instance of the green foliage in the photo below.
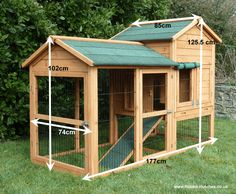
(25, 24)
(23, 27)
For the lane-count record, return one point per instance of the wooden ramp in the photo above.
(122, 150)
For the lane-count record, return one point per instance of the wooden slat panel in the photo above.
(74, 65)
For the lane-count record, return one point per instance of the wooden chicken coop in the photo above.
(138, 92)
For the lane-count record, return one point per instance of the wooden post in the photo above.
(34, 150)
(113, 135)
(138, 110)
(212, 117)
(170, 109)
(92, 118)
(77, 112)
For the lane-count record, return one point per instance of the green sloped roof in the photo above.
(149, 32)
(106, 53)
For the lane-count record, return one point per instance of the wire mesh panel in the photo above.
(156, 140)
(115, 119)
(64, 147)
(188, 131)
(67, 97)
(65, 92)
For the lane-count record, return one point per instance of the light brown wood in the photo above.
(60, 166)
(93, 119)
(59, 119)
(193, 113)
(34, 150)
(60, 74)
(184, 30)
(77, 112)
(74, 52)
(95, 40)
(154, 113)
(138, 110)
(160, 46)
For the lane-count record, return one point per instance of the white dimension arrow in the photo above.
(86, 130)
(200, 147)
(50, 164)
(88, 177)
(138, 23)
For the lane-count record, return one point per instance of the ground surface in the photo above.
(215, 166)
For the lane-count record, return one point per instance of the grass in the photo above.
(215, 166)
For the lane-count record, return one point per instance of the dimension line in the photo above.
(89, 177)
(86, 130)
(50, 165)
(200, 148)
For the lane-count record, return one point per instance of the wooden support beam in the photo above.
(34, 150)
(60, 165)
(138, 120)
(59, 119)
(77, 112)
(113, 135)
(92, 118)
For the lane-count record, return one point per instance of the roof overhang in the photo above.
(59, 41)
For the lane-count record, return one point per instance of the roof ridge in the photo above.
(95, 40)
(164, 21)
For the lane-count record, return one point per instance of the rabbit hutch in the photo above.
(138, 92)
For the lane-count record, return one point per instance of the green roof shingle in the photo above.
(106, 53)
(149, 32)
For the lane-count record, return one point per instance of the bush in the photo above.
(23, 27)
(25, 24)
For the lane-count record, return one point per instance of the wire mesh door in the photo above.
(68, 97)
(154, 111)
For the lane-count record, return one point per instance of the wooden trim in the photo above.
(60, 74)
(34, 55)
(74, 52)
(192, 115)
(77, 112)
(206, 27)
(60, 166)
(156, 70)
(92, 112)
(34, 150)
(59, 119)
(180, 33)
(212, 33)
(96, 40)
(138, 110)
(154, 113)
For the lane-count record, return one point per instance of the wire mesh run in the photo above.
(115, 118)
(188, 131)
(67, 145)
(156, 141)
(67, 97)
